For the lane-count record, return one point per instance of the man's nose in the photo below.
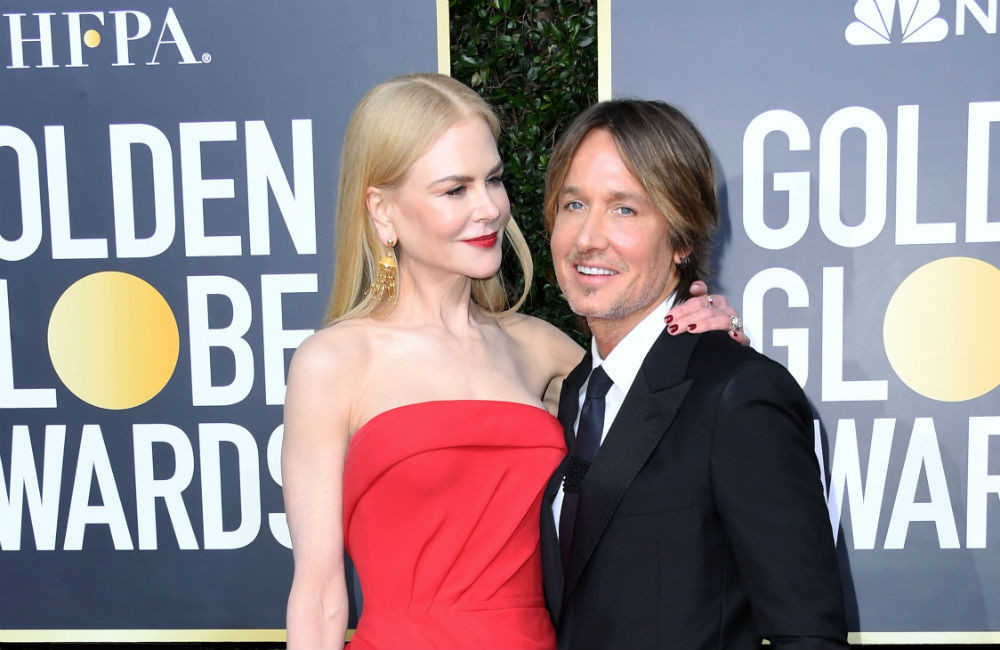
(591, 234)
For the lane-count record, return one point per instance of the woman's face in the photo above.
(450, 210)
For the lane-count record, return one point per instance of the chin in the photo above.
(482, 273)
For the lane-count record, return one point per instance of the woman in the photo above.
(415, 429)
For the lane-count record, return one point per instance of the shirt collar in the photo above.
(624, 361)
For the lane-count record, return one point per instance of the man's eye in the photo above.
(625, 211)
(574, 205)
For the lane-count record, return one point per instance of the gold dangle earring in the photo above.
(384, 285)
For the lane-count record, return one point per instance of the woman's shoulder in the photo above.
(537, 336)
(523, 326)
(332, 351)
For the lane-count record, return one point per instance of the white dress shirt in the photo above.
(622, 365)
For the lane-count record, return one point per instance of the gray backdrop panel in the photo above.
(274, 62)
(727, 63)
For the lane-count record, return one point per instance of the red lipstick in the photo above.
(486, 241)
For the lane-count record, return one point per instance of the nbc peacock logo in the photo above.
(875, 22)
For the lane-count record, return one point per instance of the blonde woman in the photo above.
(418, 433)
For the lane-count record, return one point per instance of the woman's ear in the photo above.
(379, 206)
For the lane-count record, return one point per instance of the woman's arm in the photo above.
(317, 416)
(548, 352)
(557, 354)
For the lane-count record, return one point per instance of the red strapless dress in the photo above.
(441, 511)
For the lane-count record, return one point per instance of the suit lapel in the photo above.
(569, 404)
(646, 414)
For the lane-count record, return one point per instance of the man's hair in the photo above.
(669, 157)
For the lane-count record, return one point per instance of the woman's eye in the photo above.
(495, 180)
(456, 191)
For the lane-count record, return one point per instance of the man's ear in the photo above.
(379, 205)
(681, 256)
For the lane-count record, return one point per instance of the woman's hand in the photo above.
(704, 312)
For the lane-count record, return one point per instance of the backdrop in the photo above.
(167, 182)
(858, 151)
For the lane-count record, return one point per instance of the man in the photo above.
(689, 512)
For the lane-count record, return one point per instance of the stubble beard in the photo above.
(624, 304)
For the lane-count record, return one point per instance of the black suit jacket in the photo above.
(702, 521)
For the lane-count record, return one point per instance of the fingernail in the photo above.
(691, 327)
(672, 329)
(669, 318)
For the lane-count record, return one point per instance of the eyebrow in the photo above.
(459, 178)
(620, 195)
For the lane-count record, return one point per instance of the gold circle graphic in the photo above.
(113, 340)
(91, 38)
(938, 329)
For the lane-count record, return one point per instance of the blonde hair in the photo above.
(392, 126)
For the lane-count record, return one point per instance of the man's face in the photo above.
(610, 244)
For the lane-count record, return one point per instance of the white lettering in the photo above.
(195, 189)
(17, 40)
(203, 339)
(122, 36)
(76, 35)
(845, 471)
(13, 250)
(148, 488)
(178, 39)
(43, 504)
(795, 183)
(981, 482)
(922, 452)
(795, 339)
(986, 19)
(908, 231)
(276, 338)
(211, 437)
(835, 388)
(11, 397)
(277, 521)
(122, 137)
(64, 247)
(93, 461)
(978, 228)
(876, 171)
(263, 171)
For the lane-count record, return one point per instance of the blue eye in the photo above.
(625, 211)
(456, 191)
(574, 205)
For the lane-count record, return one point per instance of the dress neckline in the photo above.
(440, 402)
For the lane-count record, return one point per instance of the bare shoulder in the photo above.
(553, 347)
(328, 351)
(323, 378)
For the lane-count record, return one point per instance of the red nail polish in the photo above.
(669, 318)
(691, 327)
(672, 329)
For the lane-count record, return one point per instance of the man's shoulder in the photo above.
(717, 355)
(718, 347)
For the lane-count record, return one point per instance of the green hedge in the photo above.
(536, 64)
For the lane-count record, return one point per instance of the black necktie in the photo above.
(588, 439)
